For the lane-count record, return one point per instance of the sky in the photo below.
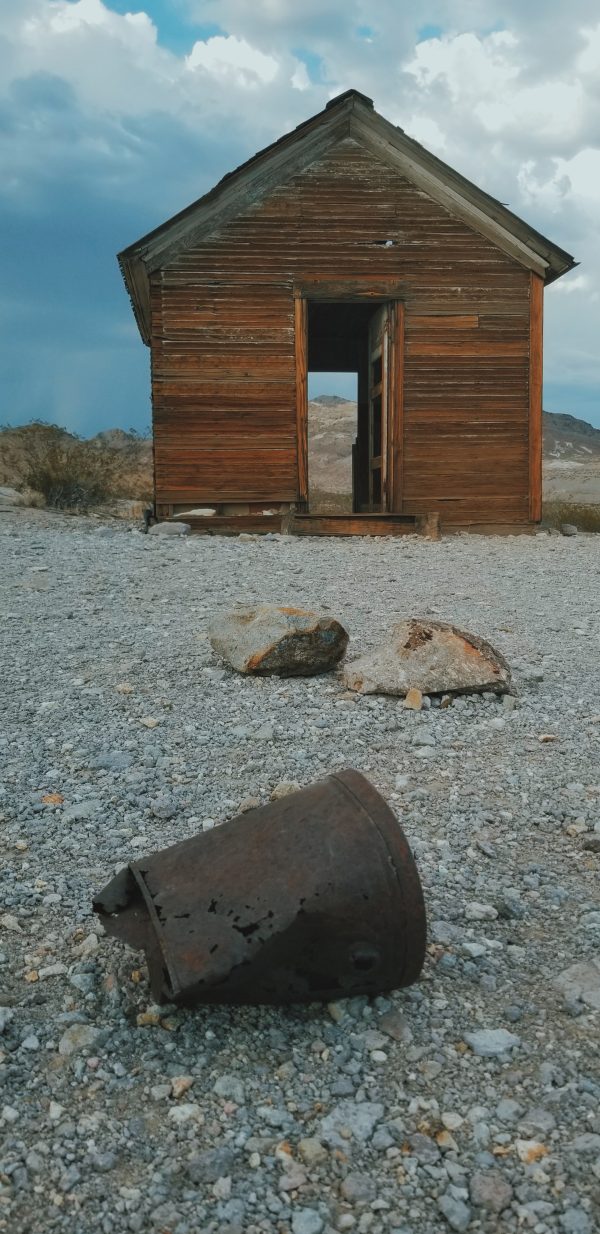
(114, 116)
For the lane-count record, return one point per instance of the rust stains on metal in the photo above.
(315, 896)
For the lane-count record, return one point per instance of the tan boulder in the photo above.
(432, 657)
(287, 642)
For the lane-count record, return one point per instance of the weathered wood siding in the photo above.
(223, 344)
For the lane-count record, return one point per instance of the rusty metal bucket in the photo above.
(315, 896)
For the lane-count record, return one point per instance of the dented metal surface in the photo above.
(315, 896)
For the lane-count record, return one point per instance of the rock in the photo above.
(358, 1188)
(180, 1085)
(169, 529)
(352, 1120)
(80, 810)
(396, 1026)
(431, 656)
(480, 912)
(581, 982)
(186, 1112)
(295, 1176)
(568, 529)
(576, 1221)
(530, 1151)
(456, 1212)
(287, 642)
(284, 789)
(413, 700)
(163, 807)
(490, 1190)
(10, 497)
(76, 1038)
(306, 1221)
(230, 1087)
(222, 1188)
(210, 1165)
(6, 1015)
(312, 1151)
(489, 1042)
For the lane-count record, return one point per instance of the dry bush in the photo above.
(69, 473)
(584, 517)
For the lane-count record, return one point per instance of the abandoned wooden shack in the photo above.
(345, 247)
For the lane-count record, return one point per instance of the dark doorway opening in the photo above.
(356, 337)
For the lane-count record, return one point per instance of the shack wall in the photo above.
(223, 354)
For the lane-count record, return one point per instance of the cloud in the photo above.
(105, 131)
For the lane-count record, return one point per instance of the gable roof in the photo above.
(349, 115)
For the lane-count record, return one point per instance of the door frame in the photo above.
(380, 292)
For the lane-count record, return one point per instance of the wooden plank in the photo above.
(301, 360)
(447, 321)
(353, 525)
(233, 524)
(535, 396)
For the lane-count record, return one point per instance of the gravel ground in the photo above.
(469, 1102)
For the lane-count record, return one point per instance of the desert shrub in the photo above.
(584, 517)
(67, 471)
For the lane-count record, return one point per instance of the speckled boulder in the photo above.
(431, 656)
(287, 642)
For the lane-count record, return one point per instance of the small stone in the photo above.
(169, 529)
(480, 912)
(413, 700)
(491, 1042)
(6, 1015)
(358, 1188)
(456, 1212)
(576, 1221)
(312, 1151)
(337, 1012)
(451, 1120)
(568, 529)
(52, 970)
(31, 1042)
(356, 1119)
(581, 982)
(10, 923)
(306, 1221)
(294, 1177)
(180, 1085)
(490, 1190)
(55, 1111)
(530, 1151)
(222, 1188)
(76, 1038)
(395, 1024)
(80, 810)
(160, 1092)
(147, 1019)
(149, 722)
(230, 1086)
(208, 1166)
(185, 1113)
(284, 789)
